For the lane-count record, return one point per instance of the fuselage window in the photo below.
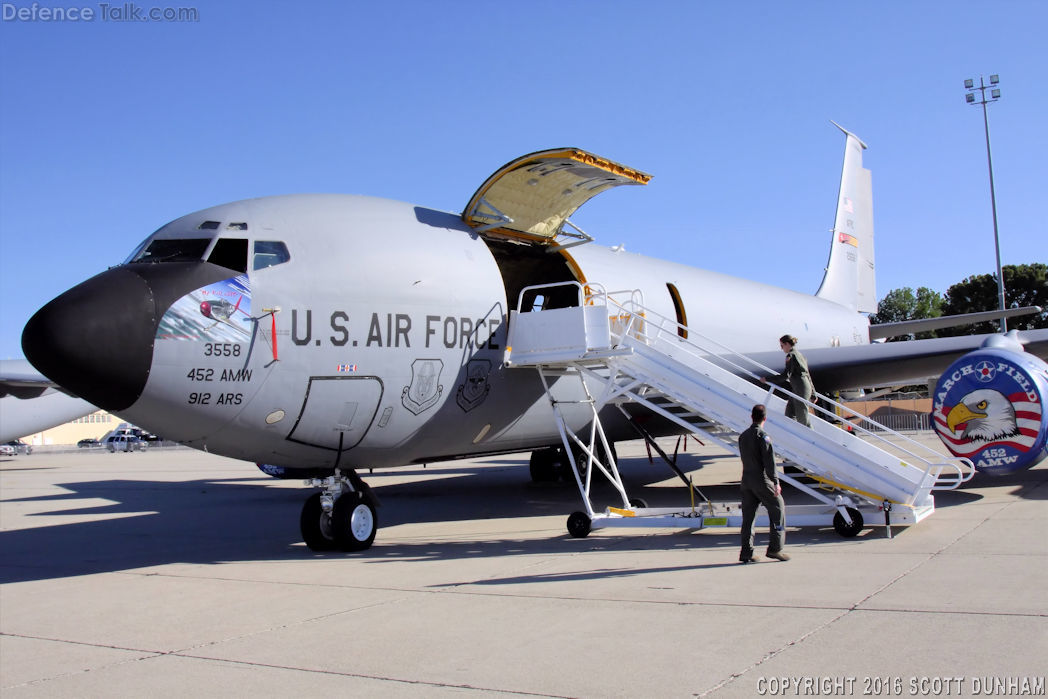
(173, 250)
(678, 307)
(269, 253)
(230, 253)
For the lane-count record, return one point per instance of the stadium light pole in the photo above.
(995, 94)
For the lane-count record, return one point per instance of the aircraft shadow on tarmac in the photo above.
(211, 521)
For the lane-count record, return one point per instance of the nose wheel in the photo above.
(341, 517)
(316, 525)
(353, 522)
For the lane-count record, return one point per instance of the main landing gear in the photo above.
(551, 463)
(546, 465)
(341, 517)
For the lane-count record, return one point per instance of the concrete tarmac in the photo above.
(175, 573)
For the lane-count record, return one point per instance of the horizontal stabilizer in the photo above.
(906, 327)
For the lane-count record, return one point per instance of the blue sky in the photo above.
(110, 129)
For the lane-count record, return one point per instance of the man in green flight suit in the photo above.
(760, 485)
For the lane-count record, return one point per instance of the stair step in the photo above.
(688, 384)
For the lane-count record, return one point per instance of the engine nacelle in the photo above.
(285, 473)
(989, 407)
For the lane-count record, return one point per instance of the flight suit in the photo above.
(760, 486)
(800, 383)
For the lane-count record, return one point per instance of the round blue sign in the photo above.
(989, 407)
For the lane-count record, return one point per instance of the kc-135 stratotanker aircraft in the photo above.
(320, 334)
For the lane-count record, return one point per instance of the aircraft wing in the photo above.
(895, 363)
(30, 402)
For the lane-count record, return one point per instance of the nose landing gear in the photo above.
(341, 517)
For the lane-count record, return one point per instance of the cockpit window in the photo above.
(173, 250)
(269, 253)
(231, 253)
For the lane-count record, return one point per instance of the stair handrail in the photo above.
(642, 318)
(534, 287)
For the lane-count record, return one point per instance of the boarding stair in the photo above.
(622, 352)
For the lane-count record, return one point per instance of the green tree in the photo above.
(905, 304)
(1024, 285)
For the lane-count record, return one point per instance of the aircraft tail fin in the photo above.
(849, 278)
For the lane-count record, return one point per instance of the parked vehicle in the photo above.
(7, 450)
(87, 443)
(124, 442)
(20, 447)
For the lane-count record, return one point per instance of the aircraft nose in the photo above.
(96, 339)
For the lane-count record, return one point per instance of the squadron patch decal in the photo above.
(475, 387)
(424, 390)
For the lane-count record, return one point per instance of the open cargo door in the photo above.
(531, 198)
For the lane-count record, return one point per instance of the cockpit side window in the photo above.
(230, 253)
(269, 253)
(173, 250)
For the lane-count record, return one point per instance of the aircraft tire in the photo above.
(581, 459)
(543, 465)
(353, 522)
(315, 525)
(579, 525)
(848, 530)
(638, 503)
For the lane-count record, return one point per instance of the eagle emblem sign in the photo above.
(989, 407)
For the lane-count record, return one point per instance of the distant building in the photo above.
(96, 425)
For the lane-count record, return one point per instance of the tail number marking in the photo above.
(222, 349)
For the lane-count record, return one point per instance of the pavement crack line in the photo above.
(188, 650)
(152, 655)
(380, 678)
(830, 622)
(143, 655)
